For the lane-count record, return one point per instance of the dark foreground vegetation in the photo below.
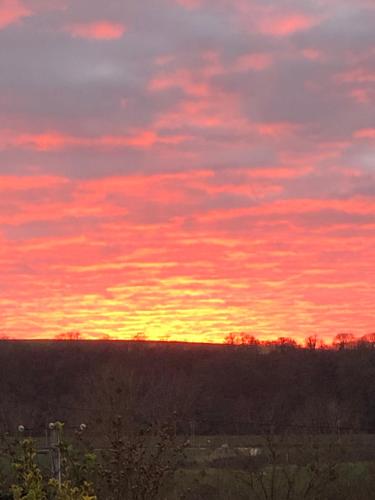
(179, 421)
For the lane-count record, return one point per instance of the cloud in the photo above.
(99, 30)
(253, 61)
(12, 11)
(285, 24)
(56, 141)
(189, 4)
(191, 166)
(367, 133)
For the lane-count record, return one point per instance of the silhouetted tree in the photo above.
(311, 342)
(139, 337)
(73, 335)
(344, 340)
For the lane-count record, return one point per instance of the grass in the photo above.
(356, 481)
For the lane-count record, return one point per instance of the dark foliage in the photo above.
(214, 389)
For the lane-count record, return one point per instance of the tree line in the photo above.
(235, 388)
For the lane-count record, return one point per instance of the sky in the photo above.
(183, 169)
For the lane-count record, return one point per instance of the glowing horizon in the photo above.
(187, 168)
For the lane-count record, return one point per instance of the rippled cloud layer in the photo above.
(187, 168)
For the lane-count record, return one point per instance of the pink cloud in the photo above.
(276, 130)
(277, 172)
(256, 62)
(360, 95)
(99, 30)
(313, 54)
(189, 4)
(56, 141)
(190, 83)
(12, 11)
(365, 133)
(25, 183)
(285, 24)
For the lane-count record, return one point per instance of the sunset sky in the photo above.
(187, 168)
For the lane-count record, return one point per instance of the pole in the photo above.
(55, 447)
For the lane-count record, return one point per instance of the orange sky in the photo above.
(187, 168)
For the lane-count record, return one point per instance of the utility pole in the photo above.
(55, 447)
